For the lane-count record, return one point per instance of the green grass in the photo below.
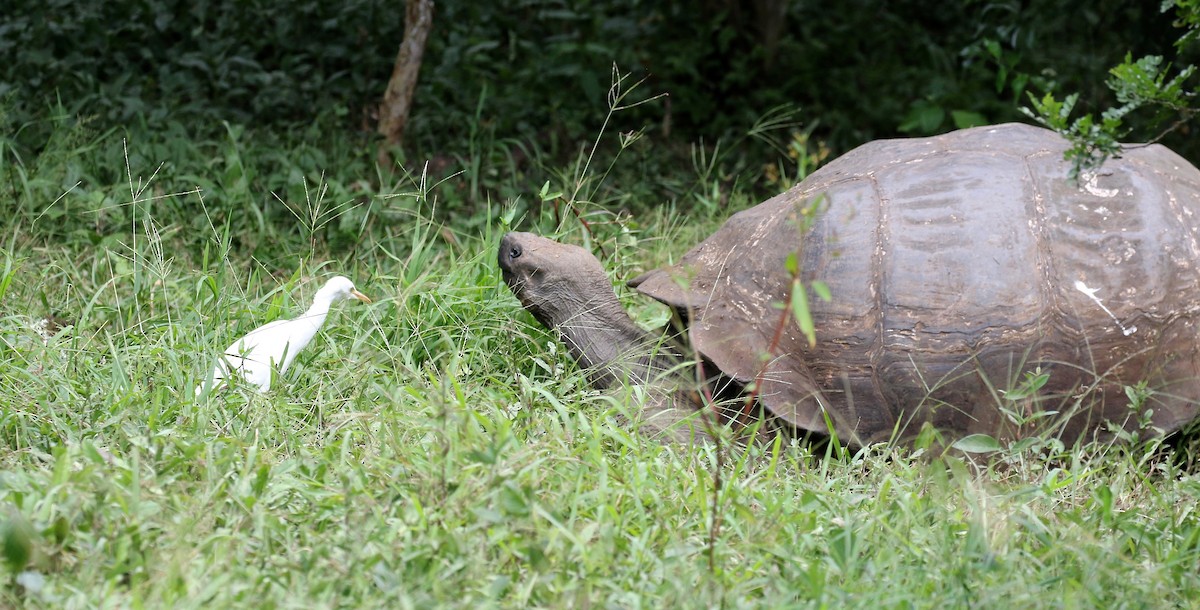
(436, 448)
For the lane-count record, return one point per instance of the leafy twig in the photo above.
(795, 303)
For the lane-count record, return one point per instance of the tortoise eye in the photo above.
(515, 252)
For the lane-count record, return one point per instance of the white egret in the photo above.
(275, 345)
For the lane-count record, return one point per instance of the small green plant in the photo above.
(1137, 394)
(1145, 83)
(1022, 400)
(806, 155)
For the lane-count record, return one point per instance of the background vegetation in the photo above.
(175, 174)
(535, 70)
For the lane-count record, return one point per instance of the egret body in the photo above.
(275, 345)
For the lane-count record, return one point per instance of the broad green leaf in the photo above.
(964, 118)
(822, 290)
(792, 266)
(977, 443)
(545, 195)
(801, 312)
(16, 537)
(923, 118)
(1029, 386)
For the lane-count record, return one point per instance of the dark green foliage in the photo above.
(862, 69)
(1149, 85)
(260, 186)
(225, 60)
(538, 69)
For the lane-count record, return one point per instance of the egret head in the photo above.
(340, 288)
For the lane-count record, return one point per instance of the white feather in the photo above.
(275, 345)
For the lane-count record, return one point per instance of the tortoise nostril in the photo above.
(515, 252)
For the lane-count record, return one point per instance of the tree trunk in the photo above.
(772, 22)
(397, 100)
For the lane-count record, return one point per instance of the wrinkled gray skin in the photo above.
(566, 289)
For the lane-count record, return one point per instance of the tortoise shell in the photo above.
(957, 264)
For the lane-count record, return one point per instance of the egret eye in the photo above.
(514, 252)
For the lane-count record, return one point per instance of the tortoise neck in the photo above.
(608, 344)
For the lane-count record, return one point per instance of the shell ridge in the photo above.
(878, 285)
(1052, 315)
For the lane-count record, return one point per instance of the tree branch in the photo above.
(397, 100)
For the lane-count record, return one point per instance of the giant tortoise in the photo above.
(975, 288)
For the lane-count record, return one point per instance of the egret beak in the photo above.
(360, 296)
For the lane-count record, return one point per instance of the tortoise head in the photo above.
(567, 290)
(555, 282)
